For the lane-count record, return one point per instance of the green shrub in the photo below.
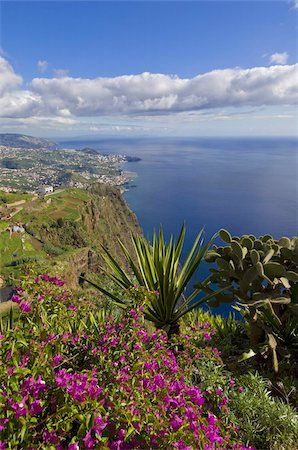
(71, 379)
(264, 422)
(262, 275)
(51, 249)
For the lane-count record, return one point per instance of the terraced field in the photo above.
(66, 228)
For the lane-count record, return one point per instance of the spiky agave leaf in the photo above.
(157, 267)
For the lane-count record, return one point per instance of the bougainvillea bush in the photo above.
(70, 381)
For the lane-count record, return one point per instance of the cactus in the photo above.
(225, 235)
(260, 274)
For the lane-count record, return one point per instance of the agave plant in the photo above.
(156, 267)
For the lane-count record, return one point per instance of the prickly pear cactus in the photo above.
(257, 268)
(260, 273)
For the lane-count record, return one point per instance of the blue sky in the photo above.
(73, 68)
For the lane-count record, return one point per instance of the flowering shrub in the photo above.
(70, 382)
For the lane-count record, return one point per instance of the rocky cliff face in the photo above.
(103, 219)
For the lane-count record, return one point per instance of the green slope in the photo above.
(65, 230)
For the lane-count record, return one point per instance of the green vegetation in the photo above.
(73, 366)
(57, 225)
(158, 269)
(11, 197)
(16, 249)
(10, 163)
(262, 275)
(3, 225)
(186, 373)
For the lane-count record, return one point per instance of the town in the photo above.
(43, 170)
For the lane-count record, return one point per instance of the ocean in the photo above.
(248, 186)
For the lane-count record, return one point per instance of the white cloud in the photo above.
(279, 58)
(9, 80)
(42, 66)
(19, 104)
(163, 94)
(47, 123)
(295, 4)
(146, 94)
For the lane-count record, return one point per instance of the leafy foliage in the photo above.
(265, 422)
(158, 269)
(78, 379)
(262, 274)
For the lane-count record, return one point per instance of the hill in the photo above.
(64, 230)
(24, 141)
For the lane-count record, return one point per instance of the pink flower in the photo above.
(211, 419)
(74, 446)
(50, 437)
(158, 380)
(57, 359)
(35, 408)
(3, 423)
(180, 445)
(33, 387)
(72, 308)
(219, 391)
(19, 408)
(213, 436)
(206, 335)
(2, 445)
(99, 424)
(176, 423)
(25, 307)
(89, 441)
(16, 298)
(146, 383)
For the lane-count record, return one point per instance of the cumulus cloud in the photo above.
(147, 94)
(42, 66)
(9, 80)
(162, 94)
(279, 58)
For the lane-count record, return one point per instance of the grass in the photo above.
(11, 197)
(17, 247)
(65, 205)
(79, 227)
(3, 225)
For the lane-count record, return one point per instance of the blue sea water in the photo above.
(249, 186)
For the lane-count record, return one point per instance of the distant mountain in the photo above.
(24, 141)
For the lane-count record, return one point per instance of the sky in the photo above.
(149, 68)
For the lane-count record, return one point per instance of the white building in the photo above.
(45, 189)
(18, 229)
